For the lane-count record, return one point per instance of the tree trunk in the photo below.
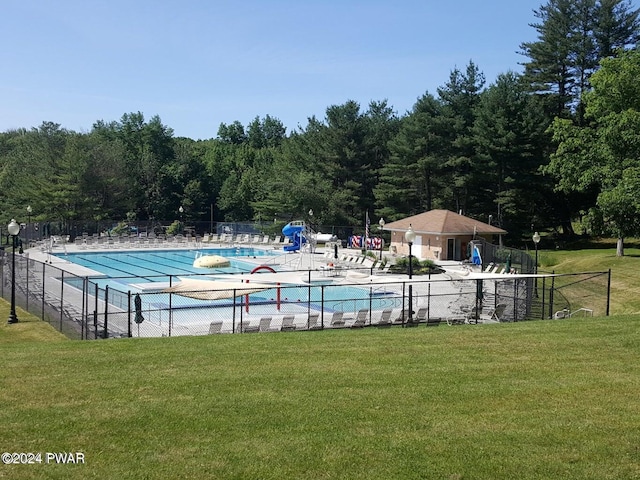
(620, 247)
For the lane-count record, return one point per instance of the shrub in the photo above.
(175, 228)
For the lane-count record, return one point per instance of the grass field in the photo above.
(531, 400)
(625, 271)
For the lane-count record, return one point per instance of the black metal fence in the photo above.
(81, 309)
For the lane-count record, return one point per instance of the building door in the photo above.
(453, 249)
(416, 248)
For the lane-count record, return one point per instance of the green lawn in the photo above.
(531, 400)
(625, 271)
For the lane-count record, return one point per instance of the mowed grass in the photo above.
(625, 271)
(530, 400)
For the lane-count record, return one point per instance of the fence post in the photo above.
(105, 334)
(27, 283)
(61, 298)
(608, 292)
(544, 282)
(85, 309)
(233, 324)
(129, 313)
(321, 308)
(2, 260)
(170, 304)
(404, 285)
(371, 302)
(553, 283)
(95, 311)
(44, 268)
(241, 310)
(309, 300)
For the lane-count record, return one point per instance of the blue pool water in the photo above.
(159, 265)
(123, 270)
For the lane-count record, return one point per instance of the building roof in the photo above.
(440, 222)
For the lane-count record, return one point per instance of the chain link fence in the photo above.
(82, 309)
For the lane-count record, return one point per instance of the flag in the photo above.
(367, 225)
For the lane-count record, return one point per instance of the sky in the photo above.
(199, 63)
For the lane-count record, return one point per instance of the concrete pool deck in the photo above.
(197, 321)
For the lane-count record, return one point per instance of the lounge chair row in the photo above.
(480, 315)
(356, 261)
(246, 239)
(363, 318)
(495, 268)
(134, 241)
(175, 240)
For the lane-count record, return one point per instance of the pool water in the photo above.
(159, 265)
(126, 270)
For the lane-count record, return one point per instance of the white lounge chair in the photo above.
(493, 315)
(215, 327)
(314, 322)
(385, 318)
(337, 320)
(361, 318)
(287, 323)
(246, 327)
(265, 325)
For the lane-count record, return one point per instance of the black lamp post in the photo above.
(181, 210)
(29, 210)
(410, 236)
(536, 240)
(14, 229)
(381, 223)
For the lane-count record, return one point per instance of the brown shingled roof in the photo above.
(443, 222)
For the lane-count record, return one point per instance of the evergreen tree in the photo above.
(573, 36)
(409, 179)
(460, 97)
(510, 137)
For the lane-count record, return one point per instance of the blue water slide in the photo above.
(293, 230)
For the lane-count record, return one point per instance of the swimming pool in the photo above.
(160, 265)
(148, 273)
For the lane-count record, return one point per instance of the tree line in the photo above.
(535, 150)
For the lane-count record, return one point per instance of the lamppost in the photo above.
(14, 229)
(29, 210)
(410, 236)
(381, 223)
(536, 240)
(181, 210)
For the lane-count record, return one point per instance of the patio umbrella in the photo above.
(138, 303)
(507, 266)
(476, 259)
(479, 290)
(215, 290)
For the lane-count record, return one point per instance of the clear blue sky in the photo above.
(197, 63)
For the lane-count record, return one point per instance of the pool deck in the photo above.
(287, 261)
(320, 264)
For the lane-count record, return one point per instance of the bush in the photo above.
(176, 228)
(121, 229)
(418, 267)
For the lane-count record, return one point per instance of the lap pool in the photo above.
(149, 272)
